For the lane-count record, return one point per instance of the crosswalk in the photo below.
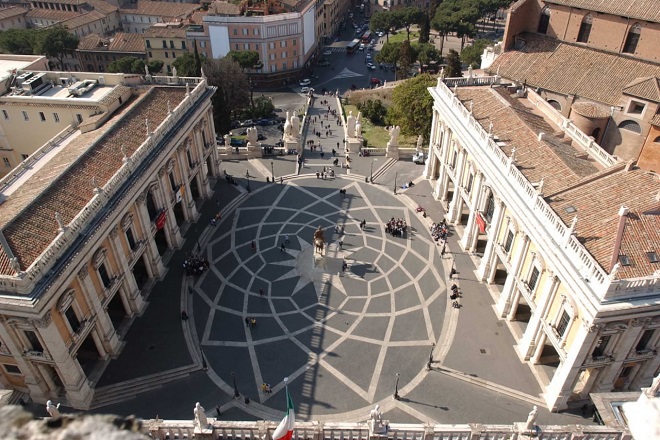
(338, 49)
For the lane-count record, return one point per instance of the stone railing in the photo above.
(162, 429)
(472, 81)
(544, 225)
(61, 243)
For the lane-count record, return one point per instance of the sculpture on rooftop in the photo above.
(295, 124)
(146, 69)
(394, 134)
(350, 124)
(252, 136)
(200, 417)
(288, 129)
(174, 72)
(53, 410)
(531, 418)
(420, 142)
(319, 240)
(375, 422)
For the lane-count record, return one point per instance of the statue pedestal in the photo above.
(378, 428)
(353, 145)
(254, 150)
(203, 434)
(392, 150)
(522, 428)
(291, 144)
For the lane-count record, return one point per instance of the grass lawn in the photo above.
(376, 135)
(402, 36)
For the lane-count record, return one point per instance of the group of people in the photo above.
(195, 264)
(214, 221)
(326, 172)
(396, 227)
(439, 231)
(250, 322)
(265, 388)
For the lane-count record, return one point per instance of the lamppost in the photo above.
(395, 177)
(272, 171)
(247, 176)
(236, 393)
(396, 387)
(371, 171)
(428, 366)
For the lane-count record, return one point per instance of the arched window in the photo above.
(657, 140)
(595, 133)
(630, 126)
(585, 29)
(555, 104)
(632, 39)
(544, 20)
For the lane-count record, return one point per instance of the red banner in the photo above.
(160, 220)
(481, 223)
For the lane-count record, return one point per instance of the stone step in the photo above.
(383, 169)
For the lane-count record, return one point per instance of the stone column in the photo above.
(456, 205)
(527, 344)
(493, 230)
(155, 265)
(561, 386)
(620, 352)
(469, 233)
(78, 390)
(104, 324)
(175, 238)
(504, 304)
(99, 344)
(132, 292)
(187, 201)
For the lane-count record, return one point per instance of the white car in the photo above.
(327, 52)
(305, 82)
(371, 66)
(418, 158)
(380, 34)
(306, 90)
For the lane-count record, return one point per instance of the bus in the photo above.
(366, 37)
(353, 46)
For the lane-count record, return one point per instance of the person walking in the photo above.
(247, 321)
(217, 411)
(283, 248)
(253, 322)
(261, 292)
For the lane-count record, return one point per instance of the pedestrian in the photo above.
(217, 411)
(253, 245)
(283, 248)
(253, 322)
(318, 175)
(281, 181)
(247, 321)
(341, 244)
(322, 154)
(184, 315)
(286, 238)
(261, 292)
(268, 390)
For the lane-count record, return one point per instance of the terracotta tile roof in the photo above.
(160, 9)
(516, 126)
(160, 31)
(591, 110)
(82, 20)
(102, 6)
(643, 9)
(197, 16)
(598, 201)
(646, 88)
(572, 69)
(224, 8)
(13, 11)
(656, 120)
(51, 14)
(90, 42)
(65, 185)
(127, 42)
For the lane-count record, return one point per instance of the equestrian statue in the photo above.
(319, 240)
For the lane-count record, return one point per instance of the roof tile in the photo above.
(643, 9)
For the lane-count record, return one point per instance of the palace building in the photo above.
(87, 221)
(566, 236)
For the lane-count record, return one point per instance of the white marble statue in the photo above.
(394, 134)
(174, 72)
(376, 420)
(358, 129)
(252, 135)
(615, 269)
(531, 419)
(350, 124)
(146, 69)
(287, 126)
(60, 222)
(53, 410)
(200, 417)
(227, 141)
(295, 124)
(654, 389)
(420, 142)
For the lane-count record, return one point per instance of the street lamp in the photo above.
(396, 387)
(395, 177)
(371, 171)
(272, 171)
(247, 176)
(428, 366)
(236, 393)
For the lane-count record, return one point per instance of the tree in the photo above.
(375, 111)
(18, 41)
(263, 107)
(232, 93)
(407, 56)
(186, 65)
(382, 22)
(389, 53)
(56, 42)
(247, 59)
(454, 68)
(425, 28)
(155, 66)
(134, 65)
(198, 60)
(444, 21)
(409, 16)
(471, 55)
(427, 52)
(412, 105)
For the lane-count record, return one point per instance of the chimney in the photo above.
(623, 214)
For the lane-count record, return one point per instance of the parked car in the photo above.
(370, 48)
(371, 66)
(380, 34)
(247, 123)
(327, 52)
(369, 57)
(234, 124)
(237, 142)
(264, 122)
(418, 158)
(261, 137)
(375, 81)
(361, 48)
(219, 140)
(305, 82)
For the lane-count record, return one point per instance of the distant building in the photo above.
(95, 52)
(597, 63)
(13, 18)
(138, 17)
(80, 17)
(166, 42)
(87, 221)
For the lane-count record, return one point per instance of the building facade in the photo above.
(138, 17)
(565, 235)
(166, 42)
(130, 183)
(13, 18)
(610, 84)
(95, 52)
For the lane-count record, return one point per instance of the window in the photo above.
(490, 208)
(148, 44)
(271, 45)
(630, 126)
(164, 44)
(167, 54)
(256, 47)
(636, 108)
(255, 31)
(624, 260)
(130, 238)
(585, 29)
(235, 31)
(74, 322)
(25, 116)
(5, 114)
(6, 161)
(246, 46)
(468, 187)
(173, 184)
(42, 116)
(601, 345)
(79, 118)
(236, 46)
(171, 44)
(246, 31)
(183, 45)
(24, 156)
(453, 160)
(632, 39)
(33, 340)
(272, 56)
(294, 42)
(283, 43)
(150, 55)
(562, 325)
(643, 343)
(509, 241)
(284, 54)
(173, 54)
(56, 117)
(544, 20)
(533, 278)
(103, 274)
(11, 369)
(625, 372)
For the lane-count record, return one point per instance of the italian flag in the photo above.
(284, 430)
